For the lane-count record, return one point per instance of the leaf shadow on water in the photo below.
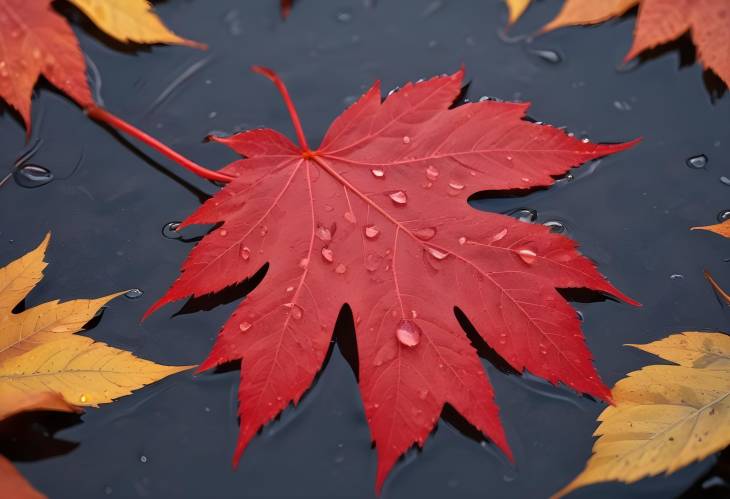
(29, 436)
(687, 53)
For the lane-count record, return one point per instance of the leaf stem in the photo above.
(104, 116)
(271, 75)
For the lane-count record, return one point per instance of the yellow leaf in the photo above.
(576, 12)
(723, 229)
(39, 351)
(516, 9)
(130, 21)
(84, 372)
(665, 416)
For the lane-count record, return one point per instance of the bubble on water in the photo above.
(143, 459)
(551, 56)
(556, 226)
(398, 197)
(30, 176)
(725, 180)
(723, 216)
(134, 293)
(169, 230)
(697, 162)
(524, 214)
(676, 276)
(408, 333)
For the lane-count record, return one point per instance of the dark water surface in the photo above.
(108, 203)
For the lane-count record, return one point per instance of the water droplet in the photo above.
(699, 161)
(498, 236)
(264, 230)
(527, 255)
(432, 173)
(725, 180)
(344, 17)
(304, 263)
(542, 348)
(622, 105)
(377, 172)
(425, 233)
(371, 231)
(408, 333)
(406, 139)
(372, 262)
(133, 293)
(328, 255)
(457, 186)
(676, 276)
(323, 233)
(398, 197)
(462, 240)
(580, 318)
(223, 232)
(524, 214)
(30, 176)
(169, 230)
(245, 252)
(436, 253)
(244, 326)
(550, 56)
(296, 311)
(502, 338)
(723, 215)
(341, 268)
(350, 217)
(83, 399)
(143, 459)
(555, 226)
(289, 289)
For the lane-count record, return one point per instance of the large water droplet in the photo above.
(527, 255)
(408, 333)
(436, 253)
(432, 173)
(425, 233)
(169, 230)
(133, 294)
(723, 216)
(398, 197)
(30, 176)
(328, 255)
(699, 161)
(323, 233)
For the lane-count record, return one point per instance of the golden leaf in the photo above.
(39, 351)
(723, 229)
(130, 21)
(665, 416)
(516, 9)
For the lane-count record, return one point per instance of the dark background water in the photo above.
(109, 201)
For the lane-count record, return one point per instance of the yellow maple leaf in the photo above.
(40, 352)
(130, 21)
(665, 416)
(576, 11)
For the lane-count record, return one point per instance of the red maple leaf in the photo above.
(377, 218)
